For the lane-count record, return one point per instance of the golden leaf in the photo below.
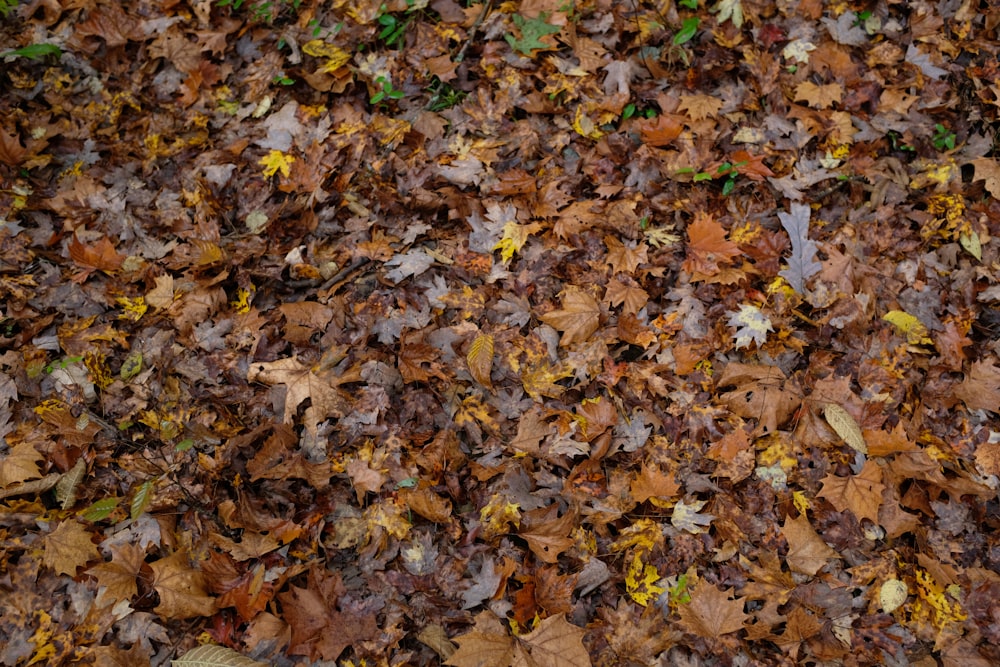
(480, 359)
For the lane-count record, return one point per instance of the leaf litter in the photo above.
(467, 334)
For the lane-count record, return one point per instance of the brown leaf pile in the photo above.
(534, 333)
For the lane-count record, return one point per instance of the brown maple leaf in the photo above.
(183, 590)
(981, 388)
(807, 552)
(101, 256)
(554, 643)
(712, 613)
(118, 578)
(577, 319)
(68, 547)
(707, 246)
(861, 493)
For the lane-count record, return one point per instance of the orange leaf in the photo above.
(658, 131)
(707, 246)
(182, 589)
(101, 256)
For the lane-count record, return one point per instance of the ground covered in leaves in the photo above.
(522, 333)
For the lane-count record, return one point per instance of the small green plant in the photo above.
(62, 363)
(895, 140)
(394, 27)
(943, 139)
(283, 80)
(690, 4)
(265, 11)
(386, 91)
(33, 51)
(443, 96)
(6, 7)
(688, 29)
(726, 170)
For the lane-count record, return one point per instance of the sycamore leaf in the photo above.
(412, 263)
(750, 324)
(802, 265)
(577, 319)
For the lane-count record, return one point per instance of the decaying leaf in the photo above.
(845, 426)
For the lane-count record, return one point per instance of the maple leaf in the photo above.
(640, 581)
(711, 612)
(729, 9)
(819, 97)
(118, 578)
(861, 493)
(554, 643)
(101, 256)
(68, 547)
(707, 247)
(276, 161)
(513, 239)
(807, 552)
(301, 383)
(981, 388)
(686, 517)
(183, 589)
(532, 32)
(413, 263)
(622, 258)
(577, 319)
(20, 464)
(750, 324)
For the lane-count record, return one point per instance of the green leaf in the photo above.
(532, 30)
(100, 510)
(141, 500)
(34, 51)
(688, 28)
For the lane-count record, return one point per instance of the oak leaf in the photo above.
(712, 613)
(861, 493)
(68, 547)
(577, 319)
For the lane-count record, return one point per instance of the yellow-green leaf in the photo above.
(843, 423)
(102, 509)
(909, 326)
(141, 500)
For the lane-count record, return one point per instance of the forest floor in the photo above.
(482, 334)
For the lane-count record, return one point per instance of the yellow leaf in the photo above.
(892, 595)
(276, 161)
(908, 325)
(134, 309)
(480, 359)
(845, 426)
(498, 515)
(514, 238)
(640, 581)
